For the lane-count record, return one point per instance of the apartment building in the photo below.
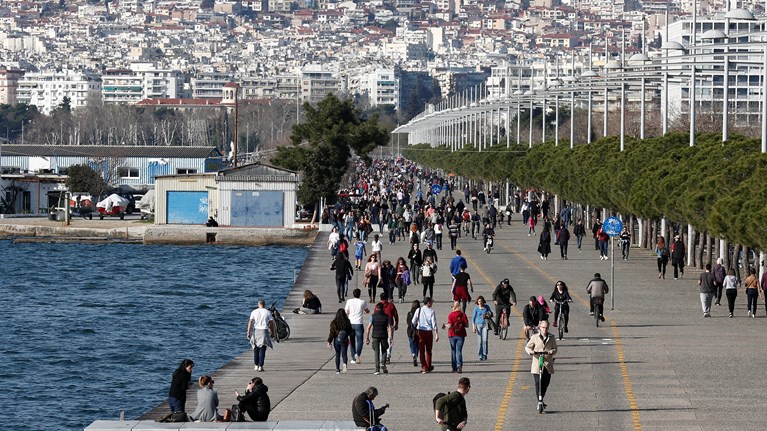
(47, 90)
(9, 79)
(207, 85)
(317, 83)
(140, 81)
(381, 87)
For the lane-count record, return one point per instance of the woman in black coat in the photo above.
(178, 386)
(255, 401)
(544, 244)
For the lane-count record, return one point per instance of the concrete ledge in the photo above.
(194, 426)
(227, 235)
(133, 232)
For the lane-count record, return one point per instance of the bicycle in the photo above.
(598, 302)
(561, 317)
(281, 327)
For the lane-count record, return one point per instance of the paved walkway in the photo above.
(655, 365)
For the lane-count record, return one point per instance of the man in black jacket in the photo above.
(531, 316)
(503, 297)
(363, 409)
(255, 401)
(344, 273)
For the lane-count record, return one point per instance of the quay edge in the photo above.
(169, 235)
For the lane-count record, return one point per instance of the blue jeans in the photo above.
(341, 351)
(175, 404)
(482, 341)
(413, 346)
(359, 332)
(456, 352)
(603, 248)
(259, 354)
(579, 239)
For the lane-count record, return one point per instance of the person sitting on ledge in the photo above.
(211, 222)
(311, 304)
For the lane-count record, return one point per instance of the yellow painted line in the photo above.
(503, 408)
(637, 424)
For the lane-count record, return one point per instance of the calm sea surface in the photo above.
(90, 330)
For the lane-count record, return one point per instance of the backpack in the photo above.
(458, 326)
(342, 248)
(426, 271)
(445, 407)
(664, 252)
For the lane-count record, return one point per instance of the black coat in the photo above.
(256, 403)
(361, 412)
(179, 384)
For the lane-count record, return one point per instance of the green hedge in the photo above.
(715, 187)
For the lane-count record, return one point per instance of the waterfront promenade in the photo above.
(656, 364)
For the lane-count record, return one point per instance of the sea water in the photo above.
(88, 331)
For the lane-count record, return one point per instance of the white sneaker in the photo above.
(255, 367)
(343, 368)
(353, 361)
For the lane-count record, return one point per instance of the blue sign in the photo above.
(436, 189)
(613, 226)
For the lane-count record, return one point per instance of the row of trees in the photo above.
(719, 189)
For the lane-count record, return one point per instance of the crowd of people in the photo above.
(399, 202)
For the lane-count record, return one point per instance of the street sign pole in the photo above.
(612, 274)
(612, 226)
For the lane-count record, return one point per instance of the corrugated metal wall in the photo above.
(193, 182)
(225, 189)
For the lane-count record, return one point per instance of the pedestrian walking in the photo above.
(544, 244)
(678, 255)
(416, 260)
(450, 410)
(412, 331)
(708, 290)
(259, 333)
(563, 236)
(338, 339)
(372, 275)
(625, 239)
(752, 291)
(344, 273)
(662, 253)
(479, 325)
(719, 276)
(428, 270)
(380, 332)
(731, 290)
(456, 333)
(579, 231)
(425, 322)
(460, 288)
(355, 309)
(531, 225)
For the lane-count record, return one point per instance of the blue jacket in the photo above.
(455, 264)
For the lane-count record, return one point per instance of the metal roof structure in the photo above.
(97, 151)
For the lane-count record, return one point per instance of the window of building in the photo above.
(129, 173)
(186, 171)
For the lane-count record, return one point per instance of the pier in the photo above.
(655, 364)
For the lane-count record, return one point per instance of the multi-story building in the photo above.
(48, 90)
(317, 83)
(141, 81)
(8, 82)
(381, 86)
(208, 85)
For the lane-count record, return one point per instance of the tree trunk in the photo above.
(699, 249)
(735, 254)
(724, 251)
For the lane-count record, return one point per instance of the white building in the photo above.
(47, 90)
(209, 85)
(317, 83)
(141, 81)
(381, 86)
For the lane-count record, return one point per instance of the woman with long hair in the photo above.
(310, 305)
(479, 326)
(338, 337)
(178, 386)
(427, 277)
(663, 254)
(372, 275)
(402, 279)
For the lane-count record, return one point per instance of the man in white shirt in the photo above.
(258, 333)
(355, 308)
(425, 321)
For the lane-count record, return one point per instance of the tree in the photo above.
(324, 143)
(83, 178)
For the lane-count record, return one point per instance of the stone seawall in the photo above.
(153, 234)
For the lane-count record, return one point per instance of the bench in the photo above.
(319, 425)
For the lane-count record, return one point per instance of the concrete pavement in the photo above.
(655, 365)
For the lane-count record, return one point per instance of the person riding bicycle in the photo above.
(503, 298)
(488, 232)
(597, 288)
(561, 296)
(531, 316)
